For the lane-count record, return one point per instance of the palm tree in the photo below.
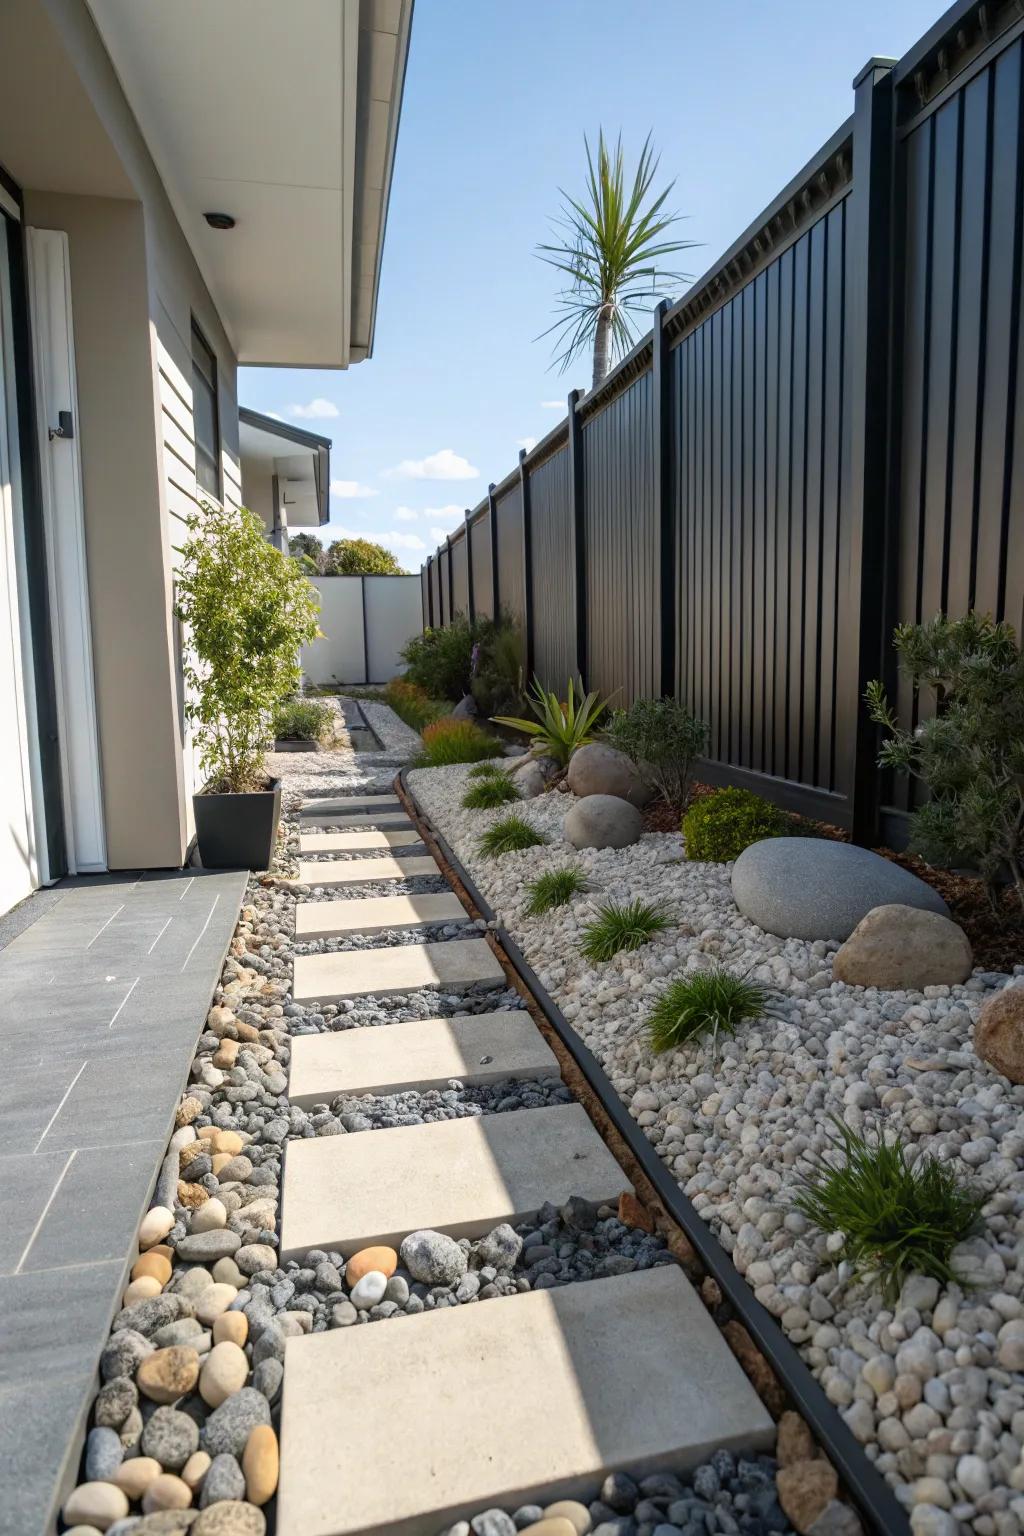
(610, 252)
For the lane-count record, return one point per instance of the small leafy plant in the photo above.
(708, 1002)
(554, 889)
(303, 720)
(664, 740)
(454, 741)
(621, 927)
(492, 790)
(897, 1217)
(559, 727)
(512, 833)
(719, 826)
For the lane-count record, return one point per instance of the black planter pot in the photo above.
(238, 831)
(286, 744)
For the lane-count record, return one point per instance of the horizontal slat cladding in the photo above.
(509, 518)
(621, 544)
(552, 571)
(483, 596)
(758, 392)
(961, 485)
(460, 578)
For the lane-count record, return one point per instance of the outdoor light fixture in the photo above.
(219, 220)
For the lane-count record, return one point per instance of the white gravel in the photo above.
(934, 1389)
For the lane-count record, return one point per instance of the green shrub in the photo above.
(303, 720)
(559, 727)
(492, 790)
(719, 826)
(663, 739)
(485, 770)
(247, 611)
(454, 741)
(359, 557)
(497, 667)
(440, 661)
(510, 834)
(412, 705)
(621, 927)
(970, 753)
(898, 1218)
(555, 889)
(708, 1002)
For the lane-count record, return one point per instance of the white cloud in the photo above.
(403, 540)
(439, 535)
(348, 490)
(445, 464)
(317, 410)
(527, 443)
(553, 405)
(406, 514)
(450, 514)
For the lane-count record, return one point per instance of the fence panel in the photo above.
(509, 519)
(444, 584)
(552, 571)
(460, 576)
(365, 622)
(483, 597)
(425, 594)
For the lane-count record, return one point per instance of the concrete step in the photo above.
(523, 1399)
(459, 1176)
(358, 871)
(454, 963)
(355, 842)
(394, 818)
(373, 914)
(347, 805)
(421, 1053)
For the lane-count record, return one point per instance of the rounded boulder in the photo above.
(597, 769)
(602, 821)
(999, 1033)
(904, 949)
(433, 1258)
(813, 888)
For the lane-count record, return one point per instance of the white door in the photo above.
(19, 868)
(63, 515)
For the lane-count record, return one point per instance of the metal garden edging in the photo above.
(867, 1488)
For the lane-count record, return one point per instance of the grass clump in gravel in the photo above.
(555, 889)
(453, 741)
(493, 790)
(485, 770)
(898, 1217)
(621, 927)
(509, 835)
(708, 1002)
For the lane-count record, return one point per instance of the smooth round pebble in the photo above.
(166, 1492)
(134, 1476)
(380, 1258)
(260, 1464)
(95, 1504)
(368, 1291)
(155, 1226)
(231, 1327)
(214, 1300)
(224, 1373)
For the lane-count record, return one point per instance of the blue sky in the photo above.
(499, 94)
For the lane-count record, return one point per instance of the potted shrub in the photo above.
(247, 610)
(301, 725)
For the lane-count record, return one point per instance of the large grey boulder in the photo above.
(602, 821)
(813, 888)
(904, 949)
(534, 775)
(600, 770)
(466, 708)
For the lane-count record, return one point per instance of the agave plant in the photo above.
(559, 727)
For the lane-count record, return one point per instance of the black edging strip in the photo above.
(865, 1485)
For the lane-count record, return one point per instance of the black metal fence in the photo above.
(824, 437)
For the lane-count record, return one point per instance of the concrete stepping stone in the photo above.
(396, 818)
(358, 871)
(453, 963)
(345, 805)
(420, 1053)
(373, 914)
(520, 1400)
(354, 842)
(459, 1176)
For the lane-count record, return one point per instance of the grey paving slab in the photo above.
(73, 1206)
(27, 1182)
(371, 818)
(358, 842)
(519, 1400)
(459, 1176)
(373, 914)
(343, 805)
(358, 871)
(452, 964)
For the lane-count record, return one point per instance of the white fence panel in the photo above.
(394, 614)
(366, 620)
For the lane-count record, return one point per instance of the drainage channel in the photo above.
(867, 1489)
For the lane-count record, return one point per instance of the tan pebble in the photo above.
(152, 1263)
(231, 1328)
(168, 1374)
(166, 1492)
(213, 1301)
(220, 1018)
(228, 1273)
(246, 1032)
(191, 1195)
(577, 1514)
(141, 1290)
(225, 1054)
(383, 1259)
(95, 1504)
(162, 1251)
(554, 1525)
(260, 1463)
(804, 1489)
(134, 1476)
(195, 1469)
(187, 1111)
(155, 1226)
(220, 1160)
(191, 1152)
(210, 1217)
(224, 1372)
(206, 1132)
(229, 1142)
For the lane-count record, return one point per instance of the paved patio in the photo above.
(102, 998)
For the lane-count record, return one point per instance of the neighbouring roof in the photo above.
(300, 460)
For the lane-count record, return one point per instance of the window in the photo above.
(205, 418)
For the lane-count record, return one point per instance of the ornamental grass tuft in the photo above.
(484, 770)
(708, 1002)
(897, 1217)
(509, 835)
(487, 793)
(555, 889)
(451, 741)
(621, 927)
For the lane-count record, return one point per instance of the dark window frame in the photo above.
(209, 472)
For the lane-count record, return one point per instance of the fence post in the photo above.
(576, 493)
(867, 485)
(664, 519)
(451, 583)
(492, 515)
(524, 487)
(469, 568)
